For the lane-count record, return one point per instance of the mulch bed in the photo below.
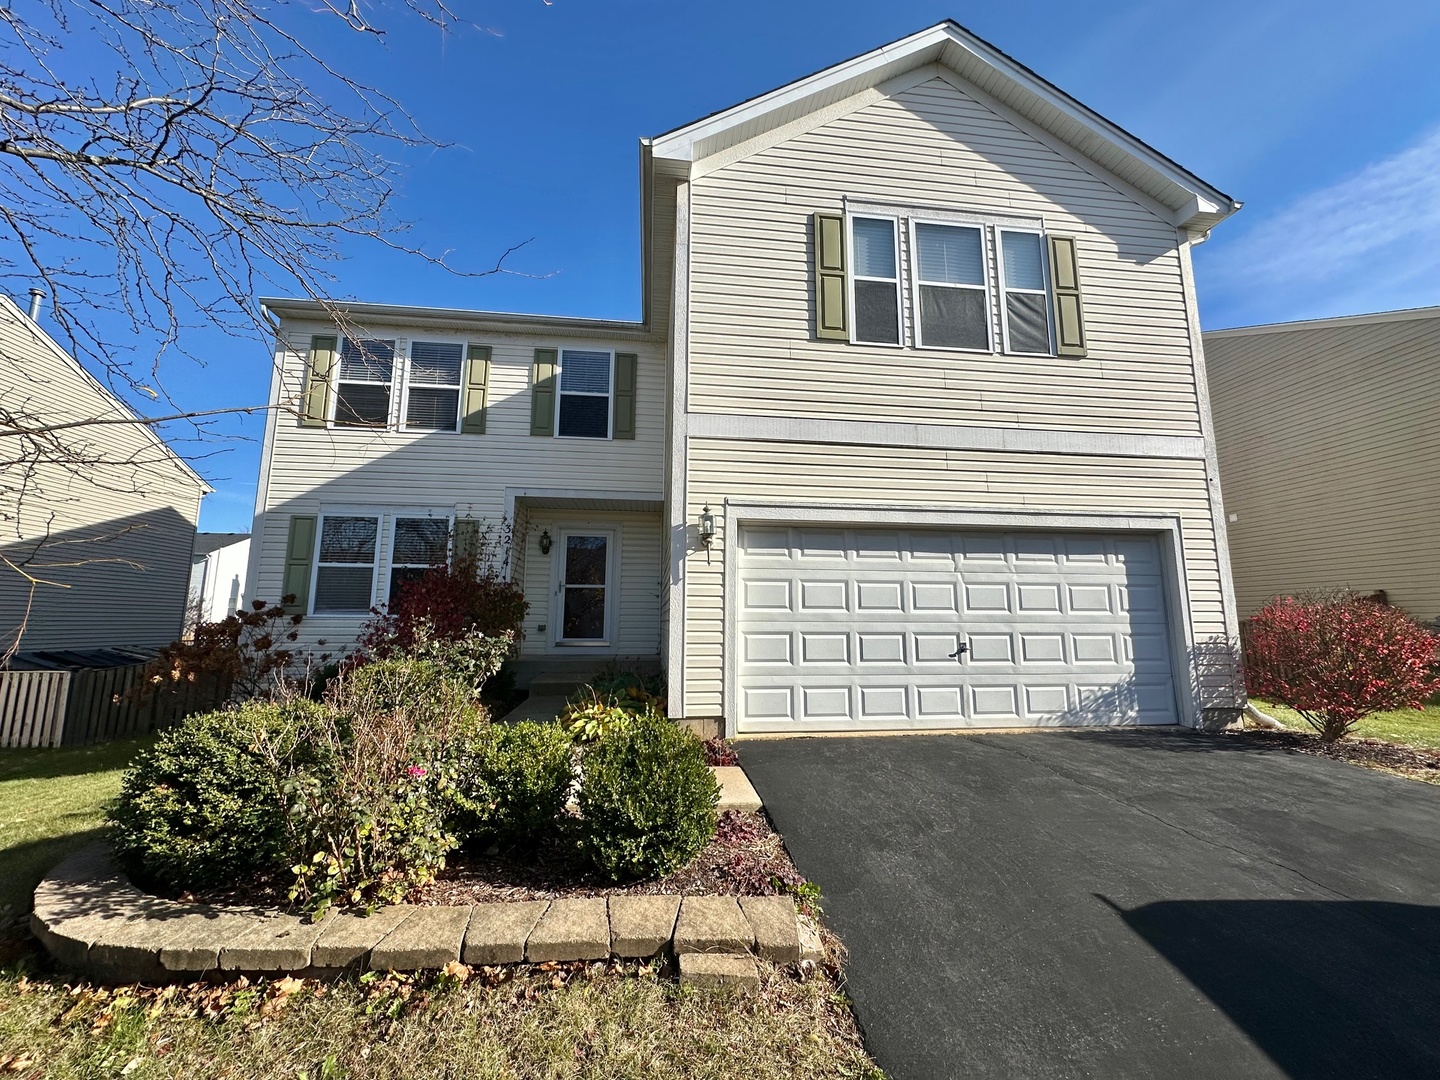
(1417, 763)
(746, 858)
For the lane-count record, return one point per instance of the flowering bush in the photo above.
(1336, 658)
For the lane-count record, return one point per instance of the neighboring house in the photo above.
(1329, 440)
(217, 575)
(912, 432)
(107, 532)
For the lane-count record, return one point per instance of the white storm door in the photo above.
(584, 587)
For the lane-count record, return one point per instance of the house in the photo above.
(912, 432)
(1330, 453)
(218, 566)
(97, 530)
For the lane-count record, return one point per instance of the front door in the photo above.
(584, 588)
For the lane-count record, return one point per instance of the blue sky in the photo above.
(1323, 116)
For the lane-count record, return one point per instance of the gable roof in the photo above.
(1190, 201)
(10, 311)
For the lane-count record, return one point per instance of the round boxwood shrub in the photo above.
(508, 783)
(647, 799)
(204, 805)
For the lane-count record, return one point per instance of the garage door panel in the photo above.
(858, 629)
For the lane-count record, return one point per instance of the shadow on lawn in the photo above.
(1344, 989)
(54, 763)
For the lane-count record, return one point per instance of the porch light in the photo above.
(545, 542)
(707, 526)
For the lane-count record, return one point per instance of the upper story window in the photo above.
(962, 281)
(366, 377)
(583, 410)
(432, 386)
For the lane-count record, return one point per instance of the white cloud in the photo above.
(1368, 242)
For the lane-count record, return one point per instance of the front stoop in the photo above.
(93, 920)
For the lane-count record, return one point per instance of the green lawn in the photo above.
(51, 802)
(1411, 727)
(546, 1022)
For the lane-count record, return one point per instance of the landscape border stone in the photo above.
(93, 920)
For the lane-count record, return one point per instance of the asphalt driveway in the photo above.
(1120, 904)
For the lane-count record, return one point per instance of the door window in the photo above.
(585, 588)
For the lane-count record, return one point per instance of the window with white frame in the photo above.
(584, 410)
(416, 545)
(432, 386)
(875, 280)
(367, 374)
(951, 288)
(345, 564)
(1022, 284)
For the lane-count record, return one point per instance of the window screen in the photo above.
(951, 293)
(433, 394)
(367, 371)
(875, 280)
(584, 411)
(345, 570)
(1027, 307)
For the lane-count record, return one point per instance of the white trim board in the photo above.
(1165, 527)
(942, 436)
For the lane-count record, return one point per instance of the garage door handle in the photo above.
(961, 651)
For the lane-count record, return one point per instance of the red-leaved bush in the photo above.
(446, 603)
(1335, 658)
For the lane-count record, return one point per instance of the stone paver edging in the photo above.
(93, 920)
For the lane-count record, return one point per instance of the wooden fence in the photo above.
(92, 705)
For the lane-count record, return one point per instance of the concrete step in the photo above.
(555, 685)
(541, 707)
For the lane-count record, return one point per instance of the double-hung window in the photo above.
(345, 567)
(367, 373)
(875, 280)
(432, 386)
(417, 544)
(951, 289)
(1022, 285)
(585, 387)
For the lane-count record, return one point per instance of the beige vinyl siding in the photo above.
(112, 538)
(893, 478)
(312, 469)
(932, 145)
(1329, 445)
(642, 565)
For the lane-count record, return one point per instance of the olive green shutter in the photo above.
(477, 379)
(832, 319)
(624, 400)
(315, 400)
(299, 555)
(466, 539)
(542, 392)
(1069, 313)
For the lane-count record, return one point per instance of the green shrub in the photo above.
(647, 799)
(204, 805)
(507, 785)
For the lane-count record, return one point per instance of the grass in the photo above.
(547, 1021)
(1408, 727)
(51, 802)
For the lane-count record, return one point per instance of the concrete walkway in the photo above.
(1126, 904)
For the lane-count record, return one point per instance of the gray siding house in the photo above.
(94, 555)
(1329, 439)
(912, 432)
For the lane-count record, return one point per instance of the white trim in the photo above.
(942, 215)
(677, 486)
(1044, 291)
(916, 282)
(899, 342)
(407, 382)
(943, 436)
(558, 586)
(1337, 321)
(378, 516)
(609, 394)
(1166, 527)
(454, 320)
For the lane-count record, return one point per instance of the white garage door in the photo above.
(855, 629)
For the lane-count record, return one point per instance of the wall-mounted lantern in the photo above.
(545, 542)
(707, 526)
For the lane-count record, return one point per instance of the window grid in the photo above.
(1019, 287)
(919, 281)
(582, 388)
(892, 280)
